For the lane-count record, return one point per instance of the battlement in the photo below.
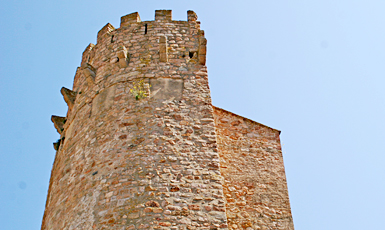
(134, 18)
(105, 31)
(163, 15)
(137, 45)
(129, 18)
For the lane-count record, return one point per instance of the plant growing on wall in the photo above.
(140, 89)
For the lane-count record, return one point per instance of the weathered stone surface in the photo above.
(69, 97)
(105, 32)
(163, 51)
(202, 50)
(166, 88)
(122, 57)
(129, 18)
(166, 161)
(163, 15)
(191, 16)
(88, 72)
(58, 122)
(254, 175)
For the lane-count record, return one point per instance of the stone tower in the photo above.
(142, 147)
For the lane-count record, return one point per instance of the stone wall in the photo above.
(254, 175)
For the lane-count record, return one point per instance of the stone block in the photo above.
(163, 51)
(191, 16)
(105, 32)
(123, 57)
(58, 123)
(69, 96)
(89, 72)
(166, 88)
(129, 18)
(163, 15)
(103, 101)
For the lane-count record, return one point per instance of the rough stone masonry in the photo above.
(142, 146)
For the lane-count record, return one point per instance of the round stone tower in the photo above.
(138, 146)
(142, 147)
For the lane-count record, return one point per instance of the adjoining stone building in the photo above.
(142, 146)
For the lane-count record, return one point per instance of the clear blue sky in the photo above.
(313, 69)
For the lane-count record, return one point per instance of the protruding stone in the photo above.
(89, 48)
(56, 145)
(202, 50)
(58, 122)
(163, 15)
(202, 46)
(105, 31)
(163, 49)
(89, 73)
(129, 18)
(88, 53)
(191, 16)
(69, 96)
(123, 57)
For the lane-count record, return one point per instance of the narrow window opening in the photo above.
(145, 28)
(191, 54)
(112, 39)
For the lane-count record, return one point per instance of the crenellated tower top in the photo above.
(132, 23)
(140, 46)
